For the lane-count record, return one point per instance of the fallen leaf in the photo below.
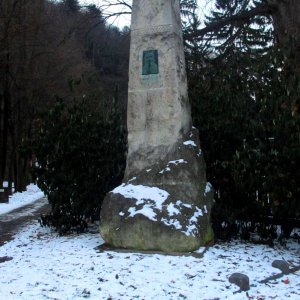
(286, 281)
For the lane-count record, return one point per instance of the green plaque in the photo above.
(150, 62)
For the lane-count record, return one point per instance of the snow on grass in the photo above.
(17, 200)
(45, 266)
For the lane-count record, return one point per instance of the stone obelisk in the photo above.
(164, 202)
(158, 107)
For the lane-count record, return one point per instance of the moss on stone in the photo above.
(179, 175)
(208, 236)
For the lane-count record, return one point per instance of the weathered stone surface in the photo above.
(164, 202)
(165, 207)
(158, 107)
(282, 265)
(241, 280)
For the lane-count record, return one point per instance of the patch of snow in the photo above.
(208, 188)
(200, 250)
(32, 194)
(132, 179)
(178, 202)
(205, 209)
(198, 213)
(192, 229)
(149, 198)
(199, 153)
(190, 143)
(190, 225)
(148, 170)
(172, 210)
(167, 169)
(141, 193)
(173, 162)
(177, 162)
(47, 266)
(172, 222)
(25, 211)
(146, 210)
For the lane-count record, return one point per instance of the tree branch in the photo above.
(261, 10)
(120, 4)
(116, 14)
(117, 3)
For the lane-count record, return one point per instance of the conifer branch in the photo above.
(261, 10)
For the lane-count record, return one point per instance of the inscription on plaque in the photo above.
(150, 62)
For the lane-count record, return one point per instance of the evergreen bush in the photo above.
(80, 157)
(246, 106)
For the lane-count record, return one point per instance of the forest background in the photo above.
(63, 95)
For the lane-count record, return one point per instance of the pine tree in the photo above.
(241, 104)
(71, 6)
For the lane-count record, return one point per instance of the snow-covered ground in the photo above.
(46, 266)
(17, 200)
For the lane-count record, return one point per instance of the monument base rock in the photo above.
(164, 207)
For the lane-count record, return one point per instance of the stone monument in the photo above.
(164, 202)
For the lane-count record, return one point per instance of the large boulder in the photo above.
(164, 207)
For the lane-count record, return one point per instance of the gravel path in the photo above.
(13, 221)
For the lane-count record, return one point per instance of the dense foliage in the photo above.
(80, 157)
(46, 46)
(244, 86)
(245, 103)
(46, 49)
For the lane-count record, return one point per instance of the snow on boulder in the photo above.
(164, 207)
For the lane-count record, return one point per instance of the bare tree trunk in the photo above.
(286, 20)
(4, 112)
